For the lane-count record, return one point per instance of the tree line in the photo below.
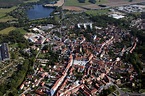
(15, 80)
(91, 1)
(104, 20)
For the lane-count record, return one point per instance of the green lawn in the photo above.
(7, 30)
(3, 14)
(76, 3)
(97, 12)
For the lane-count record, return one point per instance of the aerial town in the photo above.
(77, 57)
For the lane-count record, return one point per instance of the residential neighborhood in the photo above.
(84, 67)
(92, 52)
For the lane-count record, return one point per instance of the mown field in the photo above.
(28, 1)
(10, 3)
(76, 3)
(4, 17)
(7, 30)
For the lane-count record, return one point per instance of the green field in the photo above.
(29, 1)
(101, 2)
(97, 12)
(7, 30)
(21, 30)
(3, 14)
(10, 3)
(7, 18)
(76, 3)
(3, 11)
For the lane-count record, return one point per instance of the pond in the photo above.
(38, 12)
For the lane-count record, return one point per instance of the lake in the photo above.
(38, 11)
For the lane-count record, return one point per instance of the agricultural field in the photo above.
(10, 3)
(29, 1)
(75, 5)
(76, 2)
(7, 30)
(4, 16)
(7, 18)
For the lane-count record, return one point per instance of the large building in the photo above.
(4, 53)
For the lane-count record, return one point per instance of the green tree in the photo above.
(81, 1)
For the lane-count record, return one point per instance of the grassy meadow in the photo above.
(7, 30)
(76, 2)
(3, 14)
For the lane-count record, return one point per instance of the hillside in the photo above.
(9, 3)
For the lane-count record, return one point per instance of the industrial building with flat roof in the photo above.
(4, 53)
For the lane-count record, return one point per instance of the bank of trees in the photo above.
(14, 37)
(3, 25)
(108, 91)
(92, 1)
(81, 1)
(52, 57)
(143, 15)
(137, 57)
(104, 20)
